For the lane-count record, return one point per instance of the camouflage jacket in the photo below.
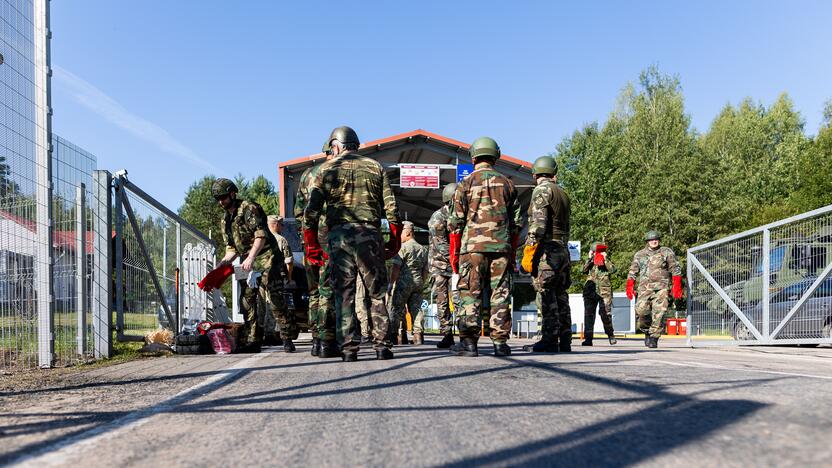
(440, 247)
(283, 247)
(355, 189)
(600, 275)
(240, 229)
(302, 194)
(549, 213)
(486, 211)
(654, 268)
(412, 258)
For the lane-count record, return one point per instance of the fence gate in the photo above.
(769, 285)
(149, 257)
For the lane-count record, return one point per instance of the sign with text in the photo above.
(419, 176)
(462, 171)
(574, 248)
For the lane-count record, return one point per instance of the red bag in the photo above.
(221, 341)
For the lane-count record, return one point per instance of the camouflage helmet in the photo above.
(484, 147)
(327, 148)
(345, 135)
(223, 187)
(652, 235)
(545, 165)
(448, 192)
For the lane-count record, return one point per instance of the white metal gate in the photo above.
(769, 285)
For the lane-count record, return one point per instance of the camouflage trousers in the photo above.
(442, 295)
(362, 307)
(551, 280)
(271, 287)
(651, 308)
(410, 296)
(321, 307)
(484, 276)
(356, 251)
(600, 301)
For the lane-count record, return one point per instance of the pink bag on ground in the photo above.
(221, 341)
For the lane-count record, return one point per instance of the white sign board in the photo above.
(574, 251)
(419, 176)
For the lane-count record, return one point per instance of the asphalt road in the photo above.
(600, 406)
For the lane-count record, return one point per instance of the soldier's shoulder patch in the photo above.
(542, 196)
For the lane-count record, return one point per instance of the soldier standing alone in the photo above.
(654, 267)
(546, 257)
(407, 276)
(246, 235)
(357, 195)
(484, 226)
(598, 292)
(440, 266)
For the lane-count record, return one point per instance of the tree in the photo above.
(201, 210)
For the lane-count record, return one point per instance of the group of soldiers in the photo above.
(470, 261)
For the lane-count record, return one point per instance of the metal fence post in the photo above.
(81, 268)
(102, 299)
(766, 293)
(119, 260)
(179, 301)
(690, 296)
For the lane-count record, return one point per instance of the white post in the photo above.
(81, 268)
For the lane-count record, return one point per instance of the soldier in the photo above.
(276, 228)
(440, 267)
(407, 275)
(654, 267)
(246, 236)
(357, 194)
(484, 225)
(546, 257)
(598, 292)
(318, 278)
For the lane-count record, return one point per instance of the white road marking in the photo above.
(703, 365)
(58, 453)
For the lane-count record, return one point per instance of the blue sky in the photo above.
(174, 90)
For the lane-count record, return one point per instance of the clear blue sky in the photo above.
(174, 90)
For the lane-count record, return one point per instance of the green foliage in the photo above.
(201, 210)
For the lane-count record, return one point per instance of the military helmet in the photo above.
(327, 147)
(345, 135)
(448, 192)
(223, 187)
(652, 235)
(545, 165)
(484, 147)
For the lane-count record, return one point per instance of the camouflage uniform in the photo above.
(440, 266)
(357, 194)
(318, 280)
(407, 291)
(362, 307)
(240, 229)
(653, 268)
(487, 214)
(267, 320)
(549, 213)
(598, 292)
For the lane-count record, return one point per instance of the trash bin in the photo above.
(672, 326)
(683, 327)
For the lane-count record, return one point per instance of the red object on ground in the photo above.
(221, 341)
(683, 327)
(672, 326)
(216, 277)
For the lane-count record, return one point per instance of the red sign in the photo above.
(419, 176)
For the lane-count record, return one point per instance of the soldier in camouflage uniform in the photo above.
(546, 257)
(598, 292)
(318, 277)
(654, 267)
(440, 267)
(484, 225)
(357, 195)
(271, 336)
(246, 235)
(407, 276)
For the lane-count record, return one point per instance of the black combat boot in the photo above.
(565, 343)
(502, 349)
(612, 339)
(447, 342)
(316, 346)
(403, 338)
(647, 339)
(545, 345)
(329, 349)
(250, 348)
(366, 339)
(466, 347)
(288, 346)
(351, 356)
(587, 340)
(384, 354)
(272, 340)
(654, 343)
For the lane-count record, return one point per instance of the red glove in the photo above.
(391, 248)
(314, 253)
(216, 277)
(515, 239)
(631, 289)
(599, 260)
(456, 241)
(677, 287)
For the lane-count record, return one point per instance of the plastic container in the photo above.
(683, 327)
(221, 341)
(672, 326)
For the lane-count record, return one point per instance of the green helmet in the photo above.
(346, 136)
(545, 165)
(448, 192)
(484, 147)
(223, 187)
(327, 147)
(652, 235)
